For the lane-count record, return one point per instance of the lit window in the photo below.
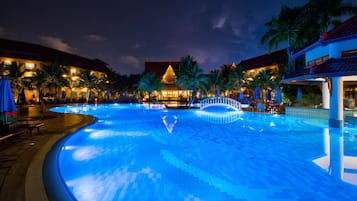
(73, 71)
(30, 66)
(7, 62)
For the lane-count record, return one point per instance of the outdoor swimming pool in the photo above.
(136, 153)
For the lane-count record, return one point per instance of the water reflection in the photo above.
(340, 159)
(215, 117)
(169, 122)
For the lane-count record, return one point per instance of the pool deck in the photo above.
(21, 157)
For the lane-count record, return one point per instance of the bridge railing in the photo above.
(221, 100)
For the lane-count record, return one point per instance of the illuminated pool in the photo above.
(136, 153)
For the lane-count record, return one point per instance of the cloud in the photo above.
(56, 43)
(2, 31)
(94, 37)
(219, 23)
(130, 60)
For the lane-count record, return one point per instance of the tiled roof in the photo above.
(348, 28)
(23, 50)
(343, 31)
(330, 68)
(263, 60)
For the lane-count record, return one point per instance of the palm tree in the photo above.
(285, 28)
(191, 77)
(215, 81)
(265, 79)
(2, 68)
(54, 79)
(88, 80)
(15, 74)
(237, 78)
(150, 82)
(39, 80)
(327, 12)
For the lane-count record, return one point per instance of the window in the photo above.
(349, 53)
(30, 66)
(318, 61)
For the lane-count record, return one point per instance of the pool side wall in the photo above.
(320, 113)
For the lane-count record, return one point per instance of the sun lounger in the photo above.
(10, 130)
(32, 126)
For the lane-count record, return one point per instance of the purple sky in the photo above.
(127, 33)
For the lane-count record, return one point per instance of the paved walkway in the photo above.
(18, 153)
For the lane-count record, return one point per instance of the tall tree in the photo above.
(150, 82)
(237, 78)
(285, 28)
(327, 13)
(215, 81)
(54, 79)
(88, 80)
(15, 72)
(191, 77)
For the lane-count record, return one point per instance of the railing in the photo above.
(220, 101)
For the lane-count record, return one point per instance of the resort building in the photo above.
(167, 71)
(32, 57)
(330, 62)
(270, 61)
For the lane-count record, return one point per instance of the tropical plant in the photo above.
(215, 81)
(237, 78)
(15, 72)
(53, 75)
(2, 68)
(285, 28)
(150, 82)
(191, 77)
(327, 12)
(88, 80)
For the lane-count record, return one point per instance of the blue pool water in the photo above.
(135, 153)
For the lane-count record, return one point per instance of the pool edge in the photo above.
(35, 184)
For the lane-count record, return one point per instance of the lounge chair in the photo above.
(31, 124)
(8, 130)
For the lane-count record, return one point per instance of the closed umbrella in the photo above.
(91, 95)
(218, 93)
(41, 95)
(256, 94)
(63, 96)
(7, 102)
(299, 94)
(278, 98)
(268, 95)
(241, 95)
(108, 92)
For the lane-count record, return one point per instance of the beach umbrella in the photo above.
(200, 95)
(218, 93)
(22, 96)
(125, 94)
(7, 102)
(299, 94)
(108, 92)
(278, 98)
(63, 96)
(241, 95)
(256, 94)
(91, 95)
(41, 95)
(268, 95)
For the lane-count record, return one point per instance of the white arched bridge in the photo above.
(224, 101)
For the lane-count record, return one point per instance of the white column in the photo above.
(336, 103)
(336, 154)
(325, 95)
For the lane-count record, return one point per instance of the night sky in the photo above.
(127, 33)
